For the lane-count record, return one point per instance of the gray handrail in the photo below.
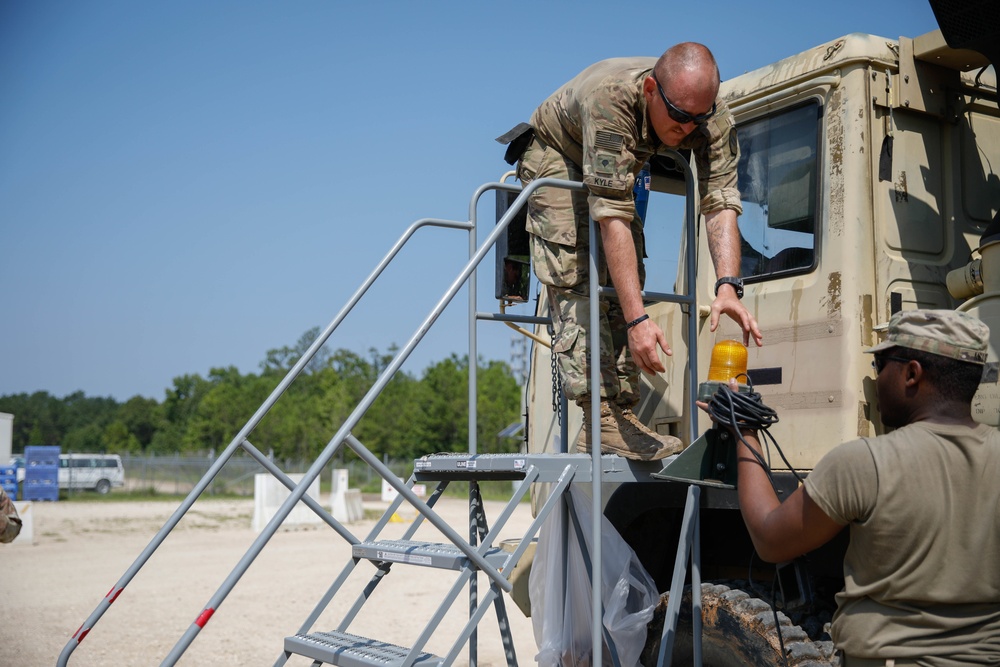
(241, 437)
(352, 420)
(689, 543)
(596, 290)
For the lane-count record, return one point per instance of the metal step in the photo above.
(427, 554)
(435, 467)
(474, 466)
(347, 650)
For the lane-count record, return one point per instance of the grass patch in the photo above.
(138, 494)
(500, 490)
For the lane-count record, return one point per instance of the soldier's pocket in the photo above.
(527, 166)
(557, 264)
(566, 340)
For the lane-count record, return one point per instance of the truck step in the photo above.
(427, 554)
(437, 467)
(347, 650)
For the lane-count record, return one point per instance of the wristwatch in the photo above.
(730, 280)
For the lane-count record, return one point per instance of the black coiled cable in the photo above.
(747, 411)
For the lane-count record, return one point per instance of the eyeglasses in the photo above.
(679, 115)
(879, 361)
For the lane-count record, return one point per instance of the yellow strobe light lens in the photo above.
(729, 360)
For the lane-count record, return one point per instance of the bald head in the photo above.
(688, 65)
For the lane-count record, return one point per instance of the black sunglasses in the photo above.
(677, 114)
(879, 361)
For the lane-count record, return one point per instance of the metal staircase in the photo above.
(476, 555)
(341, 647)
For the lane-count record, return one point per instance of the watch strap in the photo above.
(735, 281)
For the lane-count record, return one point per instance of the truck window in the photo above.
(778, 175)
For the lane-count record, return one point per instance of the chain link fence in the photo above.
(178, 474)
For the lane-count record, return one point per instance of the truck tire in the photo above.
(103, 487)
(737, 630)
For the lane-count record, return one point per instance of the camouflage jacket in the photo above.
(10, 523)
(598, 120)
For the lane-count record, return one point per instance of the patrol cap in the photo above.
(947, 333)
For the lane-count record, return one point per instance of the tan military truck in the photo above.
(870, 179)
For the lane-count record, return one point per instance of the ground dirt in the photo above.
(81, 549)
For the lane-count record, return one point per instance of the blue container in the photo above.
(8, 480)
(41, 455)
(40, 489)
(41, 473)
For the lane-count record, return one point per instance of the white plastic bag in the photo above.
(560, 591)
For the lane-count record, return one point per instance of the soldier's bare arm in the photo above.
(780, 531)
(724, 245)
(645, 337)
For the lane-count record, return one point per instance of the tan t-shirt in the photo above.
(922, 572)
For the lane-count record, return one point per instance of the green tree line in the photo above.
(412, 417)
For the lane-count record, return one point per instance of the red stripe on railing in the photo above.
(115, 596)
(205, 616)
(80, 634)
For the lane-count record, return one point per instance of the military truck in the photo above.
(869, 179)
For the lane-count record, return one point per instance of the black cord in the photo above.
(747, 411)
(740, 410)
(777, 625)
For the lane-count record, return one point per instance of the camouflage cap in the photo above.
(948, 333)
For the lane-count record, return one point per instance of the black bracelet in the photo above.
(636, 321)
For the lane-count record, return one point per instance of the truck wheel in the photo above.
(103, 486)
(737, 630)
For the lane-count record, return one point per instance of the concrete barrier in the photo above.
(269, 494)
(345, 503)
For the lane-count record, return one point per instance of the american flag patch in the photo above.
(608, 141)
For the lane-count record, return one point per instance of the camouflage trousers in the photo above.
(559, 224)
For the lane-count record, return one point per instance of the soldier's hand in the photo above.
(643, 339)
(726, 302)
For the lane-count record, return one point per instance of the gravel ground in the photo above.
(81, 549)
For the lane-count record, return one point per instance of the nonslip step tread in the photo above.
(348, 650)
(550, 467)
(428, 554)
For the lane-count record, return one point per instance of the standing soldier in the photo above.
(601, 128)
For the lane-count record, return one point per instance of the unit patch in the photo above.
(734, 142)
(604, 163)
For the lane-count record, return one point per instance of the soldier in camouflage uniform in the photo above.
(600, 128)
(10, 522)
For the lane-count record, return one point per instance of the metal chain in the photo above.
(556, 380)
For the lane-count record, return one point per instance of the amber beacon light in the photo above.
(729, 360)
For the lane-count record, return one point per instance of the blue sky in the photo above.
(185, 185)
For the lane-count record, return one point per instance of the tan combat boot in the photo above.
(623, 434)
(632, 428)
(611, 437)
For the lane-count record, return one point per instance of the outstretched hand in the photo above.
(726, 302)
(643, 339)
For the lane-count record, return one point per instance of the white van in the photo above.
(99, 472)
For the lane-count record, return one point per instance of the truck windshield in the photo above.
(778, 183)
